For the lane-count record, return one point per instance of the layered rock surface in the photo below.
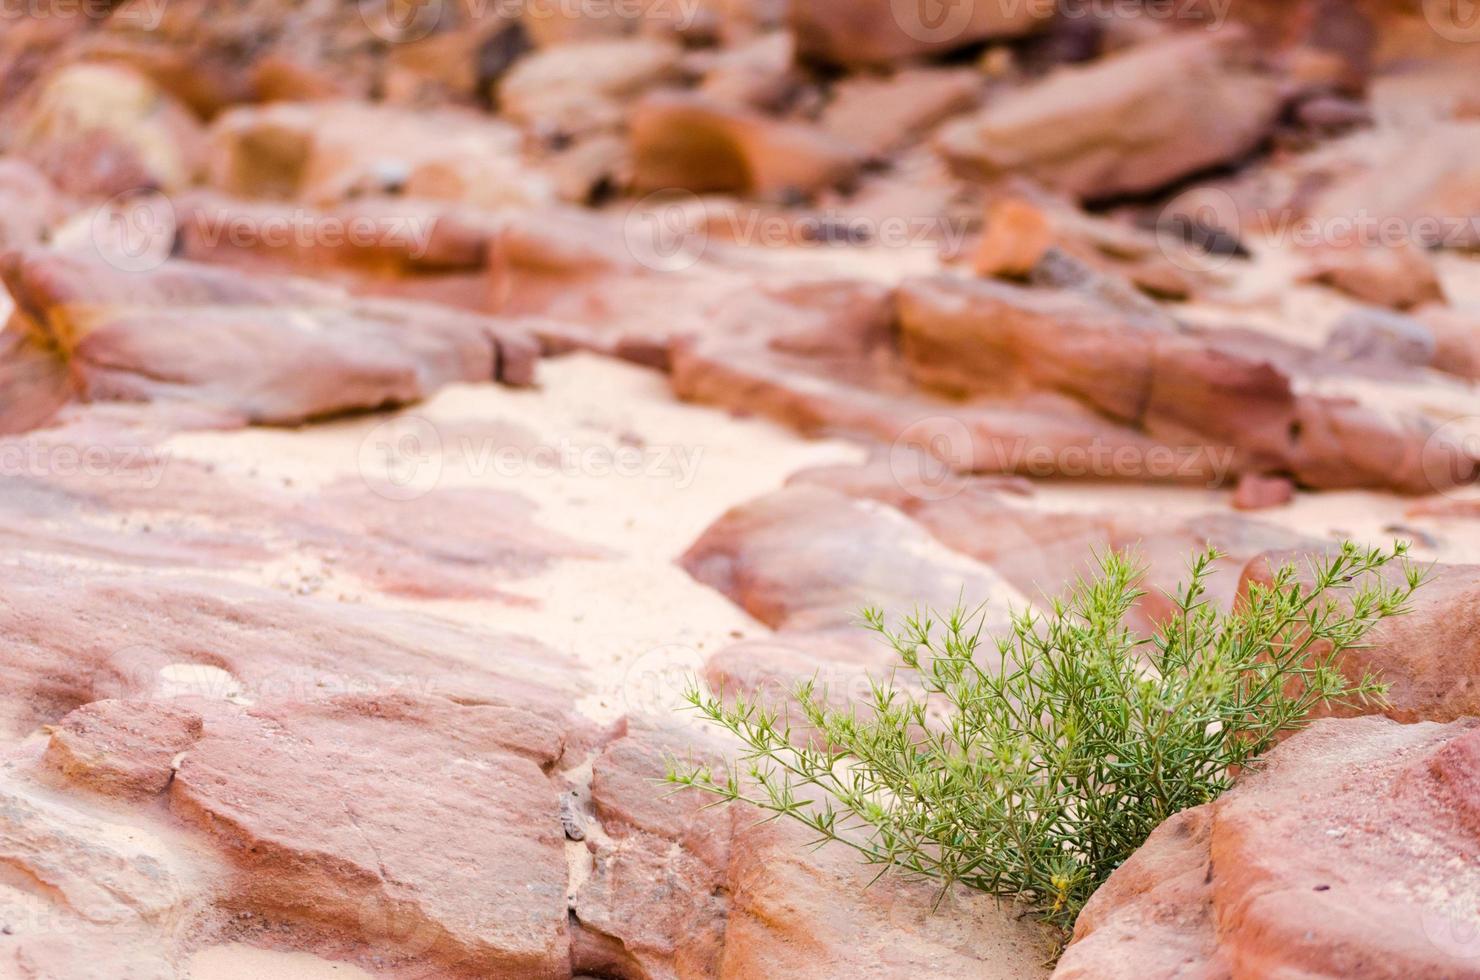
(343, 634)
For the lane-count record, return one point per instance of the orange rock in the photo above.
(685, 141)
(1017, 235)
(857, 34)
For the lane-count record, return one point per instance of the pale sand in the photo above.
(635, 619)
(235, 961)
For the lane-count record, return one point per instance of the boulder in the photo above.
(883, 115)
(1232, 389)
(1400, 277)
(809, 558)
(716, 892)
(1255, 492)
(420, 826)
(881, 33)
(686, 141)
(325, 153)
(100, 130)
(1128, 123)
(265, 350)
(571, 89)
(1350, 852)
(1382, 337)
(125, 749)
(1429, 657)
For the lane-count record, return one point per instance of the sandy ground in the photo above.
(635, 619)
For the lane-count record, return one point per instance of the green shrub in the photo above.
(1035, 772)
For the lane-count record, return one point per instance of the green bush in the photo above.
(1035, 772)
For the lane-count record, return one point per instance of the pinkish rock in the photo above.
(100, 130)
(1400, 277)
(1231, 390)
(126, 749)
(422, 826)
(881, 115)
(1351, 852)
(688, 890)
(1255, 492)
(1456, 334)
(121, 333)
(881, 33)
(126, 637)
(1127, 123)
(1429, 657)
(29, 205)
(809, 558)
(33, 381)
(325, 153)
(571, 89)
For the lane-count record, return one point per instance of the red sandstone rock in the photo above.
(101, 130)
(124, 637)
(1400, 277)
(881, 33)
(785, 910)
(126, 749)
(121, 333)
(1231, 389)
(686, 142)
(426, 827)
(29, 205)
(806, 558)
(1351, 853)
(325, 153)
(1456, 336)
(1429, 657)
(33, 381)
(880, 115)
(1128, 123)
(1255, 492)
